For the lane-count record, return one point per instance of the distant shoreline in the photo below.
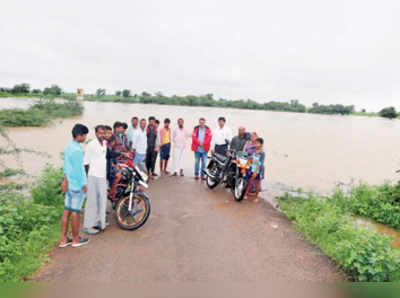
(205, 101)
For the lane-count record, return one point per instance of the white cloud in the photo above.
(326, 51)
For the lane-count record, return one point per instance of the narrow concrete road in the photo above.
(195, 234)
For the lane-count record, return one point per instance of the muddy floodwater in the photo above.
(380, 229)
(303, 150)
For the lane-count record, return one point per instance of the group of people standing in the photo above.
(99, 168)
(219, 141)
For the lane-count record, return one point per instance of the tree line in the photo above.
(206, 100)
(25, 88)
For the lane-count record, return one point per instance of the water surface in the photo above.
(303, 150)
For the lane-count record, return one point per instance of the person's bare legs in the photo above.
(161, 167)
(117, 179)
(75, 228)
(251, 181)
(64, 226)
(165, 165)
(258, 184)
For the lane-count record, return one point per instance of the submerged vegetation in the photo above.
(7, 172)
(39, 114)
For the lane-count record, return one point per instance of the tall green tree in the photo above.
(126, 93)
(52, 90)
(21, 88)
(100, 92)
(389, 112)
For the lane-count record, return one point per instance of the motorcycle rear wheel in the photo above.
(137, 217)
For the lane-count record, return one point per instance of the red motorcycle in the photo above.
(130, 204)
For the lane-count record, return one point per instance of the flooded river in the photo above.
(303, 150)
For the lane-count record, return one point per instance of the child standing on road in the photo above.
(257, 169)
(165, 146)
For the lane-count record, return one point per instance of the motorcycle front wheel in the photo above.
(211, 182)
(137, 217)
(212, 174)
(239, 189)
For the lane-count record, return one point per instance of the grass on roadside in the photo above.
(29, 227)
(380, 203)
(363, 255)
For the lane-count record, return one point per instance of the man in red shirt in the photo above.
(201, 142)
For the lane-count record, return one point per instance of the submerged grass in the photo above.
(39, 114)
(67, 96)
(11, 172)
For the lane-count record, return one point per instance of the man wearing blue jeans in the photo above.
(201, 141)
(200, 156)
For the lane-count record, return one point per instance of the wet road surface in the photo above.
(195, 235)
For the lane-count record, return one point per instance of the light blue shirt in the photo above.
(73, 166)
(201, 136)
(129, 133)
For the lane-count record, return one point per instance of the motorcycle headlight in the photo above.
(243, 161)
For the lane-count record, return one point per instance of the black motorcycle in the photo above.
(228, 170)
(131, 206)
(243, 164)
(217, 169)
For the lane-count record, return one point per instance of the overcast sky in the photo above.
(338, 51)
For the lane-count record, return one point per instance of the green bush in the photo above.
(29, 227)
(389, 112)
(363, 255)
(47, 190)
(380, 203)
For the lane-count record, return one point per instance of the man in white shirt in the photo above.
(96, 168)
(222, 136)
(139, 145)
(133, 130)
